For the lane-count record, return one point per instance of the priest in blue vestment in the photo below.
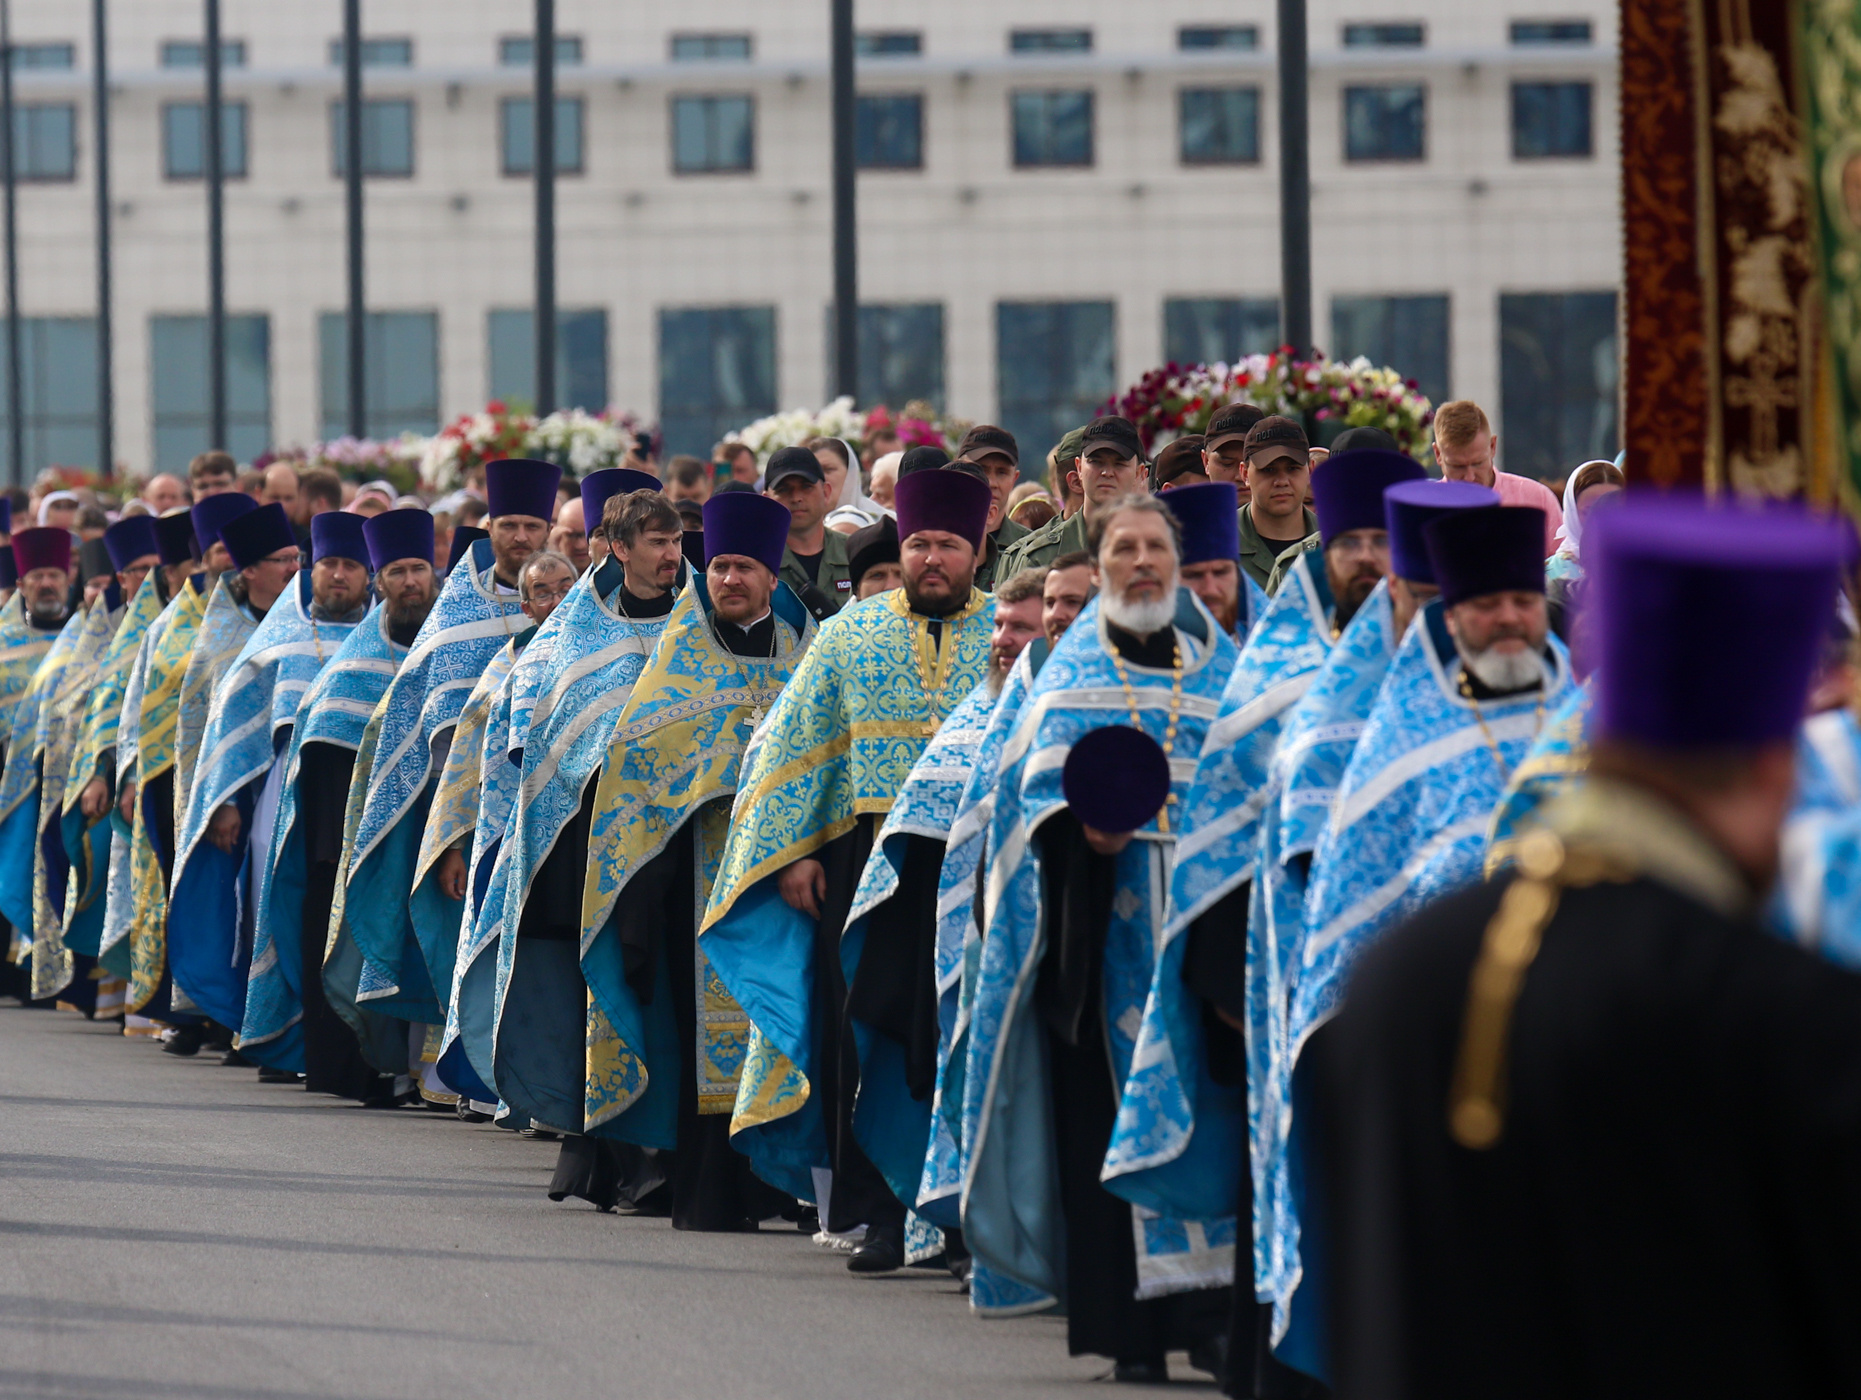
(1209, 515)
(825, 770)
(1074, 914)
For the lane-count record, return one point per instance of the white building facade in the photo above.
(1054, 197)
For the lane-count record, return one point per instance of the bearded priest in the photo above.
(869, 696)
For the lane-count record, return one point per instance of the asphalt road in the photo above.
(171, 1227)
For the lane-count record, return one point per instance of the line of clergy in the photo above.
(1353, 987)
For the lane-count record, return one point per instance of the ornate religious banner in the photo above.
(1830, 43)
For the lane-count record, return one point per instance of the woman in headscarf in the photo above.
(852, 509)
(1588, 484)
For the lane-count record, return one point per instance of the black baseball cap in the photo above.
(1119, 434)
(1231, 424)
(791, 461)
(1275, 437)
(1181, 457)
(922, 459)
(1353, 438)
(985, 439)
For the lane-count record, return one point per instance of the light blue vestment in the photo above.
(249, 721)
(19, 784)
(1011, 1216)
(468, 624)
(334, 710)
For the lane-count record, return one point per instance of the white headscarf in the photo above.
(1570, 533)
(853, 502)
(54, 497)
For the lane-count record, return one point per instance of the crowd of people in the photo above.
(1371, 929)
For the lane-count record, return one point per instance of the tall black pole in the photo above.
(216, 239)
(356, 326)
(15, 399)
(1295, 181)
(544, 163)
(100, 119)
(846, 223)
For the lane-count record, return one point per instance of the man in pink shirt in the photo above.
(1466, 449)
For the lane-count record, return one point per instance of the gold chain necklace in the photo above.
(1479, 718)
(1176, 707)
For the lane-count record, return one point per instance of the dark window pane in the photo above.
(181, 413)
(702, 46)
(1406, 334)
(1550, 31)
(191, 53)
(184, 140)
(711, 134)
(519, 50)
(378, 53)
(891, 43)
(1050, 41)
(43, 56)
(1220, 125)
(1557, 380)
(581, 358)
(1383, 36)
(889, 131)
(1385, 123)
(1055, 364)
(1550, 119)
(58, 383)
(402, 369)
(716, 372)
(45, 142)
(1052, 128)
(519, 135)
(387, 136)
(1206, 36)
(1207, 330)
(900, 353)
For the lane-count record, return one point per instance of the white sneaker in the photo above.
(843, 1242)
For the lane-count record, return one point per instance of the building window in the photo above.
(192, 53)
(1220, 126)
(1383, 36)
(1050, 41)
(1051, 128)
(519, 50)
(378, 53)
(180, 395)
(1550, 31)
(518, 128)
(45, 141)
(900, 353)
(26, 56)
(402, 370)
(58, 383)
(1055, 363)
(1219, 330)
(889, 43)
(716, 373)
(387, 136)
(581, 358)
(713, 134)
(710, 46)
(889, 131)
(1199, 37)
(1550, 120)
(1386, 123)
(184, 140)
(1406, 334)
(1557, 380)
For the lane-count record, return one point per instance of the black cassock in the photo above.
(1673, 1207)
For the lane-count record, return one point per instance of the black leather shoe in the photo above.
(232, 1059)
(276, 1076)
(1152, 1370)
(1212, 1356)
(186, 1040)
(882, 1253)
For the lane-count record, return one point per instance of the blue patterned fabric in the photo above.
(253, 708)
(1558, 757)
(119, 893)
(22, 648)
(597, 655)
(1409, 826)
(334, 710)
(673, 760)
(460, 636)
(838, 745)
(19, 784)
(224, 631)
(892, 1127)
(465, 1048)
(1011, 1219)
